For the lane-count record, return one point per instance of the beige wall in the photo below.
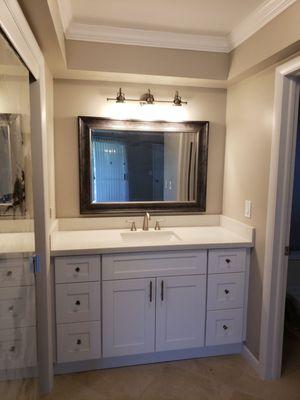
(92, 56)
(73, 98)
(246, 174)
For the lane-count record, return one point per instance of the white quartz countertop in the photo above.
(15, 243)
(110, 240)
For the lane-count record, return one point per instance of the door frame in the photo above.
(16, 28)
(283, 148)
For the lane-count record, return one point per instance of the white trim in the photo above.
(16, 28)
(257, 19)
(251, 359)
(278, 218)
(262, 15)
(141, 37)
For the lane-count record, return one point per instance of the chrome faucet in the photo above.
(147, 218)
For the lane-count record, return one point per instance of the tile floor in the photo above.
(214, 378)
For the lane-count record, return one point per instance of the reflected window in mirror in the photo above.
(127, 166)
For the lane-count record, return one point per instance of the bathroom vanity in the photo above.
(140, 298)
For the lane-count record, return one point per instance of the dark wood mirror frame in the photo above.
(85, 127)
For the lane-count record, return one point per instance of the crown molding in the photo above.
(262, 15)
(141, 37)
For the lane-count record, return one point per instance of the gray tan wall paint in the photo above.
(249, 126)
(73, 98)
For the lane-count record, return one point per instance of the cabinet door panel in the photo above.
(225, 291)
(128, 317)
(180, 313)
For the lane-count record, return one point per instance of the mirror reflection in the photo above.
(143, 166)
(6, 184)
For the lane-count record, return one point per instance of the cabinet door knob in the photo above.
(78, 341)
(12, 349)
(226, 291)
(225, 327)
(10, 308)
(77, 302)
(228, 260)
(77, 269)
(9, 273)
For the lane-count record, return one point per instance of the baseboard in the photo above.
(150, 358)
(251, 359)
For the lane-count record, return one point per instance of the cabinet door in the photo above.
(128, 317)
(180, 312)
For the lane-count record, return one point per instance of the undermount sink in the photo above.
(150, 237)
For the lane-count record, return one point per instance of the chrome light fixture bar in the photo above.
(147, 98)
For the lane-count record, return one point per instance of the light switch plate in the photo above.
(248, 206)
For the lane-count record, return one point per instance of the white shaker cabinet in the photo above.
(128, 317)
(180, 312)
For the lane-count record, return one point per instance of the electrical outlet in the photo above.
(248, 206)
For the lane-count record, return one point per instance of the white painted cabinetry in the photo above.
(150, 303)
(17, 314)
(128, 317)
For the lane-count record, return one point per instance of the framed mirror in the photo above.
(131, 166)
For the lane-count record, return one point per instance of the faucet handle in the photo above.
(157, 224)
(132, 222)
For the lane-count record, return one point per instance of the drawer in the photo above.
(17, 348)
(15, 272)
(143, 265)
(77, 269)
(80, 341)
(78, 302)
(225, 291)
(224, 327)
(226, 260)
(17, 307)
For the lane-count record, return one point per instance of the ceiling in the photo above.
(213, 17)
(205, 25)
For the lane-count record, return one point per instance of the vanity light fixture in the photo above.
(147, 98)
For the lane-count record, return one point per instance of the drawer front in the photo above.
(224, 327)
(17, 348)
(15, 272)
(143, 265)
(225, 291)
(223, 261)
(78, 302)
(80, 341)
(77, 269)
(17, 307)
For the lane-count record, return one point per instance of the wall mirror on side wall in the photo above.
(12, 175)
(130, 166)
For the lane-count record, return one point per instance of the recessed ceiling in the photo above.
(213, 17)
(205, 25)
